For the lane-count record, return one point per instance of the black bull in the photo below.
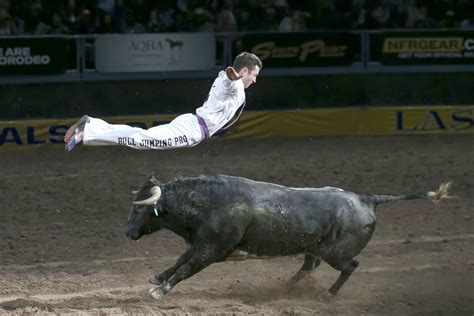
(219, 214)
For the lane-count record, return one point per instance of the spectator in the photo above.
(86, 23)
(250, 16)
(422, 20)
(280, 5)
(449, 20)
(162, 18)
(342, 18)
(213, 9)
(120, 17)
(322, 12)
(34, 18)
(139, 11)
(105, 6)
(43, 27)
(182, 5)
(56, 25)
(89, 16)
(465, 10)
(183, 21)
(7, 26)
(18, 11)
(297, 22)
(439, 10)
(359, 15)
(411, 12)
(71, 16)
(134, 24)
(271, 19)
(201, 21)
(5, 4)
(468, 21)
(105, 25)
(383, 16)
(226, 21)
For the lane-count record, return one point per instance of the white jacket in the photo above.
(223, 101)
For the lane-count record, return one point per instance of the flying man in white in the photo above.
(221, 109)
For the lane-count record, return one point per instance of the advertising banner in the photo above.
(155, 52)
(408, 48)
(33, 56)
(303, 49)
(422, 120)
(29, 134)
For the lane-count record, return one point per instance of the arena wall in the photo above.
(70, 100)
(421, 120)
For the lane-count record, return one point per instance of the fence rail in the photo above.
(353, 52)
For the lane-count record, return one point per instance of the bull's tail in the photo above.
(435, 196)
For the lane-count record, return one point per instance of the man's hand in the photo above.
(232, 74)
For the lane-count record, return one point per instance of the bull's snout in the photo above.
(133, 234)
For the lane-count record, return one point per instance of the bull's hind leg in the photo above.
(310, 263)
(346, 270)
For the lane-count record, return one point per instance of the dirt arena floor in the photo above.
(63, 248)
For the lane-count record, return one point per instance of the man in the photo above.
(222, 108)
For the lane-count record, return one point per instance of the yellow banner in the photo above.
(357, 121)
(263, 124)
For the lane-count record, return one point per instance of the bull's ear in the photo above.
(156, 182)
(152, 178)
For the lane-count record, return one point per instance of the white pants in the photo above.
(183, 131)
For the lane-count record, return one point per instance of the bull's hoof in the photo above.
(332, 291)
(291, 283)
(160, 292)
(326, 296)
(157, 293)
(154, 280)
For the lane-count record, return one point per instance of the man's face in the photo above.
(249, 77)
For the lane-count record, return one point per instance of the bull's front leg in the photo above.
(201, 258)
(159, 278)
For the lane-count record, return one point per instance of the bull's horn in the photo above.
(155, 196)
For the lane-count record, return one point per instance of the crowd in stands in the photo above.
(26, 17)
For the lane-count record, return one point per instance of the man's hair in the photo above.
(245, 59)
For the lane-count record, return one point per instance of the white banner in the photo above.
(154, 52)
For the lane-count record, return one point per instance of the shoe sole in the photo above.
(72, 129)
(70, 145)
(73, 141)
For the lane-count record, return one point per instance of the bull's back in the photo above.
(291, 220)
(302, 208)
(279, 220)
